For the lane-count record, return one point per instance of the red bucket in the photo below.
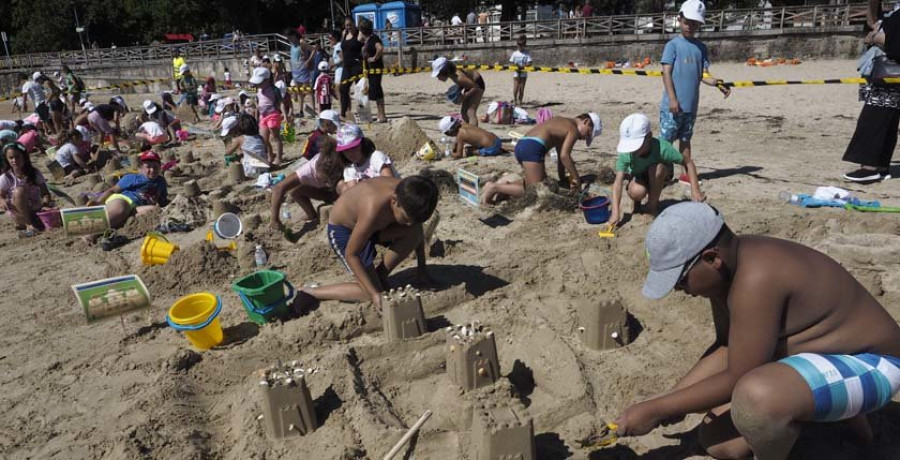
(51, 218)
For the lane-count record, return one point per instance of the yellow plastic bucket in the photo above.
(156, 250)
(197, 315)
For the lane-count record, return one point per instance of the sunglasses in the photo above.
(682, 279)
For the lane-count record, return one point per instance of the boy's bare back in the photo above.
(554, 131)
(475, 136)
(369, 199)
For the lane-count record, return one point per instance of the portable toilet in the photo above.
(402, 15)
(370, 11)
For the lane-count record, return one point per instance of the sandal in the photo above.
(111, 241)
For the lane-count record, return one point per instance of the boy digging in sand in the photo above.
(648, 162)
(559, 133)
(135, 193)
(381, 210)
(469, 138)
(798, 339)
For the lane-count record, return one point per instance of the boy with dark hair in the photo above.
(382, 210)
(798, 339)
(135, 193)
(558, 132)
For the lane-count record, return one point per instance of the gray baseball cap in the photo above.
(678, 234)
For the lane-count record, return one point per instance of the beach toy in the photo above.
(227, 227)
(51, 218)
(262, 294)
(607, 232)
(453, 94)
(197, 315)
(596, 209)
(156, 249)
(428, 152)
(605, 437)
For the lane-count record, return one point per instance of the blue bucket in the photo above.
(596, 209)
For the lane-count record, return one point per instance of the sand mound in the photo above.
(401, 139)
(191, 211)
(199, 265)
(139, 225)
(546, 196)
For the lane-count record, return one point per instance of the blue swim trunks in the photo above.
(339, 236)
(679, 126)
(531, 149)
(844, 386)
(493, 150)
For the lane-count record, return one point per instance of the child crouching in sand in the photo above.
(245, 140)
(559, 133)
(23, 190)
(648, 161)
(382, 210)
(314, 180)
(74, 161)
(135, 193)
(470, 138)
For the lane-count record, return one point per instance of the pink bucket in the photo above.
(544, 114)
(51, 218)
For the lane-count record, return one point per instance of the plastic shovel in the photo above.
(609, 231)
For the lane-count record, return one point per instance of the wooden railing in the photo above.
(783, 18)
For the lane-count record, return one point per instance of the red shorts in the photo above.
(271, 121)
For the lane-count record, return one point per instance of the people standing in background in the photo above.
(301, 58)
(373, 50)
(177, 62)
(255, 61)
(351, 51)
(522, 58)
(588, 10)
(337, 61)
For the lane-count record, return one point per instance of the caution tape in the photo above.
(832, 81)
(127, 84)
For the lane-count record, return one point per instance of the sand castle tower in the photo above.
(402, 314)
(604, 326)
(472, 356)
(501, 431)
(288, 408)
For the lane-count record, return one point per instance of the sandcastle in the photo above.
(604, 326)
(501, 431)
(472, 356)
(402, 314)
(288, 408)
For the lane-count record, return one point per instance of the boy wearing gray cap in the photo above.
(798, 339)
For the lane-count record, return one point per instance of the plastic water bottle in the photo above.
(554, 155)
(445, 143)
(260, 255)
(285, 213)
(788, 197)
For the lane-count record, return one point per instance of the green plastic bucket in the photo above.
(262, 294)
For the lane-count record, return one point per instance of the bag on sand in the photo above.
(503, 115)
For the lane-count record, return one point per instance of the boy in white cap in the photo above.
(327, 123)
(798, 339)
(187, 84)
(685, 63)
(324, 88)
(558, 132)
(469, 138)
(646, 162)
(469, 82)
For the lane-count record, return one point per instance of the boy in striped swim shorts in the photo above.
(798, 339)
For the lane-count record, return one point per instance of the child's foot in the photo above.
(304, 302)
(28, 232)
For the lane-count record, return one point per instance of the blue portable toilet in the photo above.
(402, 15)
(370, 11)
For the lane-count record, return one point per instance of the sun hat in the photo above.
(228, 124)
(331, 116)
(437, 65)
(694, 10)
(149, 107)
(598, 128)
(447, 124)
(149, 155)
(323, 66)
(632, 132)
(35, 76)
(348, 137)
(184, 68)
(259, 74)
(679, 233)
(277, 58)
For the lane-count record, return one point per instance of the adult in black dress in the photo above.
(373, 50)
(351, 49)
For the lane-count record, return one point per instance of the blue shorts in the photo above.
(339, 236)
(679, 126)
(531, 149)
(844, 386)
(493, 150)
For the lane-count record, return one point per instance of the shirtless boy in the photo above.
(470, 138)
(382, 210)
(559, 133)
(799, 340)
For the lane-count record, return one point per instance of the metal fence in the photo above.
(783, 19)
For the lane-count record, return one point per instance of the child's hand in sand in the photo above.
(699, 197)
(638, 419)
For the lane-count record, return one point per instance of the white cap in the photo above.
(323, 66)
(243, 93)
(331, 116)
(694, 10)
(228, 124)
(56, 74)
(184, 68)
(259, 74)
(632, 132)
(447, 124)
(277, 58)
(437, 65)
(598, 128)
(220, 106)
(149, 107)
(83, 101)
(36, 75)
(214, 97)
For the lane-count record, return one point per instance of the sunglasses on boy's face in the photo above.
(682, 279)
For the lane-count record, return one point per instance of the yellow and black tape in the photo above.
(127, 84)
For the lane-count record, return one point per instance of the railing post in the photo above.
(815, 13)
(752, 19)
(781, 22)
(846, 21)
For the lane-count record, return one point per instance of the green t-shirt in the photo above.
(660, 152)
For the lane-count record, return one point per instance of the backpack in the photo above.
(544, 114)
(503, 115)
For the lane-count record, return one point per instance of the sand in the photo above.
(71, 390)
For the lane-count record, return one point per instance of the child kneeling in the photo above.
(135, 193)
(470, 138)
(23, 190)
(314, 180)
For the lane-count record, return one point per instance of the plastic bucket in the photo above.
(50, 218)
(596, 209)
(197, 315)
(156, 250)
(228, 226)
(262, 294)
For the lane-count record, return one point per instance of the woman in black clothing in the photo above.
(373, 49)
(351, 49)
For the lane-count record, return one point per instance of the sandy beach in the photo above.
(72, 390)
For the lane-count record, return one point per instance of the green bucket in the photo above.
(262, 294)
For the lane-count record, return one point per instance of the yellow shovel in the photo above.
(605, 437)
(607, 232)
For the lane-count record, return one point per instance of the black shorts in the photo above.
(57, 105)
(43, 111)
(325, 106)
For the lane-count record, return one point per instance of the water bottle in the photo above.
(446, 144)
(554, 155)
(285, 213)
(788, 197)
(260, 255)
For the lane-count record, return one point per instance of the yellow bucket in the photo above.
(156, 250)
(197, 315)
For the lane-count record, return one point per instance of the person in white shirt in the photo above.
(456, 20)
(521, 58)
(34, 89)
(151, 133)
